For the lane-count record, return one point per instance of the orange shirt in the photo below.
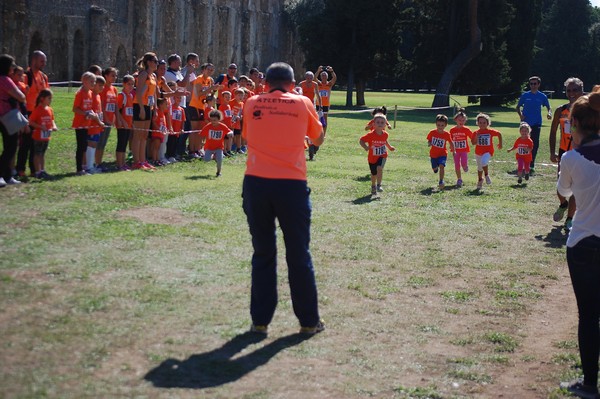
(524, 147)
(83, 101)
(325, 92)
(197, 100)
(438, 143)
(308, 89)
(125, 103)
(215, 135)
(485, 142)
(109, 103)
(237, 109)
(149, 96)
(207, 110)
(97, 107)
(565, 128)
(177, 118)
(461, 137)
(37, 84)
(159, 122)
(271, 153)
(42, 116)
(227, 114)
(377, 145)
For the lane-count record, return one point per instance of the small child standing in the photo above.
(42, 121)
(124, 121)
(214, 133)
(177, 123)
(376, 144)
(483, 138)
(461, 135)
(437, 139)
(159, 130)
(96, 128)
(84, 114)
(237, 107)
(524, 146)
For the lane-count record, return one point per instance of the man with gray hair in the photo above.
(275, 187)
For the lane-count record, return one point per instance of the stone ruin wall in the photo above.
(76, 34)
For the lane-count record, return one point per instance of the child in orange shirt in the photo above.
(84, 115)
(437, 139)
(376, 110)
(375, 143)
(210, 102)
(177, 123)
(524, 146)
(124, 119)
(225, 109)
(159, 129)
(484, 147)
(109, 109)
(96, 127)
(42, 121)
(237, 107)
(461, 135)
(214, 133)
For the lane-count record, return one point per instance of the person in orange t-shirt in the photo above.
(461, 136)
(84, 114)
(214, 133)
(237, 108)
(177, 123)
(275, 187)
(42, 121)
(225, 109)
(124, 119)
(144, 101)
(325, 85)
(109, 109)
(96, 128)
(437, 140)
(159, 129)
(376, 144)
(483, 138)
(524, 147)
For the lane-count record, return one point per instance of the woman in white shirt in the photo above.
(580, 176)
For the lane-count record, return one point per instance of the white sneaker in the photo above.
(2, 182)
(94, 170)
(165, 161)
(172, 160)
(12, 180)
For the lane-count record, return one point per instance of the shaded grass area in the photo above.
(126, 284)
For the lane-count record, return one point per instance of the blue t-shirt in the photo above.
(532, 107)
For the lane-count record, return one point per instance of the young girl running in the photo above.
(483, 138)
(42, 121)
(461, 135)
(214, 133)
(377, 110)
(524, 147)
(437, 139)
(376, 144)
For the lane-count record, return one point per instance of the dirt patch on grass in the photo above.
(155, 215)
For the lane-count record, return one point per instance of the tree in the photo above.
(347, 34)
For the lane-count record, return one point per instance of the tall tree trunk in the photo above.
(350, 86)
(361, 85)
(442, 94)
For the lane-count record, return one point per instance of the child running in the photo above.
(483, 138)
(524, 147)
(42, 121)
(376, 144)
(214, 133)
(461, 135)
(437, 139)
(377, 110)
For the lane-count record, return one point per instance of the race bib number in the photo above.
(163, 129)
(215, 134)
(567, 127)
(379, 151)
(151, 101)
(460, 145)
(45, 134)
(228, 113)
(176, 115)
(523, 151)
(437, 142)
(129, 111)
(111, 107)
(324, 93)
(484, 139)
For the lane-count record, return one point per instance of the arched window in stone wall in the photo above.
(36, 43)
(78, 55)
(59, 45)
(122, 63)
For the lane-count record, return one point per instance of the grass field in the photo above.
(137, 284)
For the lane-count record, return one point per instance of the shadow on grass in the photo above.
(200, 177)
(215, 368)
(363, 178)
(556, 238)
(366, 199)
(519, 186)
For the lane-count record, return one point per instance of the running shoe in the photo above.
(480, 184)
(569, 224)
(520, 180)
(526, 176)
(259, 329)
(441, 185)
(459, 183)
(379, 188)
(488, 180)
(2, 182)
(82, 173)
(313, 330)
(560, 212)
(577, 388)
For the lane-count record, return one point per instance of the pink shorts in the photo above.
(461, 159)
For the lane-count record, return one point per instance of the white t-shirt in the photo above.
(581, 177)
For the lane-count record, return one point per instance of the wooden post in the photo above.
(395, 114)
